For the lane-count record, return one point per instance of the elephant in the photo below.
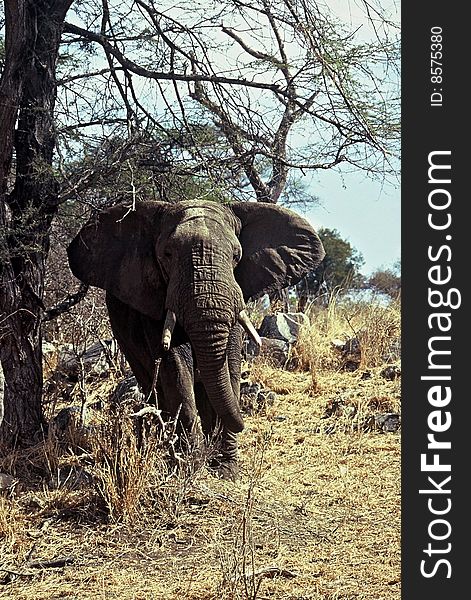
(177, 278)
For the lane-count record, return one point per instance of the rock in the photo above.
(278, 333)
(333, 408)
(338, 344)
(388, 422)
(350, 411)
(283, 326)
(391, 372)
(248, 388)
(254, 398)
(67, 362)
(393, 352)
(352, 347)
(69, 418)
(95, 360)
(276, 352)
(266, 398)
(127, 391)
(50, 359)
(351, 353)
(72, 419)
(76, 423)
(338, 407)
(350, 365)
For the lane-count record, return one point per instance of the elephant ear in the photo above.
(278, 248)
(115, 251)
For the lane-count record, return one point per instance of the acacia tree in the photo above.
(235, 95)
(247, 94)
(387, 281)
(339, 270)
(342, 263)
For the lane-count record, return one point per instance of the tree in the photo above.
(339, 269)
(28, 203)
(341, 265)
(234, 86)
(387, 281)
(124, 94)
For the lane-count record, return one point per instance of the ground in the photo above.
(315, 513)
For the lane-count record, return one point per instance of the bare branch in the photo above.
(255, 53)
(161, 75)
(66, 304)
(87, 75)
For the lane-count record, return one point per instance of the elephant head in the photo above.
(197, 263)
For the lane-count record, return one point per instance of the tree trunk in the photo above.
(2, 393)
(28, 203)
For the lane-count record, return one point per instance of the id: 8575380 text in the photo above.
(436, 66)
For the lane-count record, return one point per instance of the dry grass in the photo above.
(375, 325)
(315, 514)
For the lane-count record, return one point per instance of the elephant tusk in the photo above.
(249, 328)
(169, 324)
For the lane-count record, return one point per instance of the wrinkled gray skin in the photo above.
(203, 261)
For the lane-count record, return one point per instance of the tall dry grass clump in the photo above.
(373, 325)
(379, 332)
(314, 349)
(11, 521)
(123, 469)
(143, 466)
(126, 469)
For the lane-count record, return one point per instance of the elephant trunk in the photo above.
(210, 348)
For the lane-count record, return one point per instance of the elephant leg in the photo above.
(176, 380)
(226, 462)
(134, 334)
(221, 442)
(205, 410)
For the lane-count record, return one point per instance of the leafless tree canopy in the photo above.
(241, 94)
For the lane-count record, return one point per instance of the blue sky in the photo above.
(366, 213)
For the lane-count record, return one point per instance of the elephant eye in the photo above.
(167, 254)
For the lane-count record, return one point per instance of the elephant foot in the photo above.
(224, 469)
